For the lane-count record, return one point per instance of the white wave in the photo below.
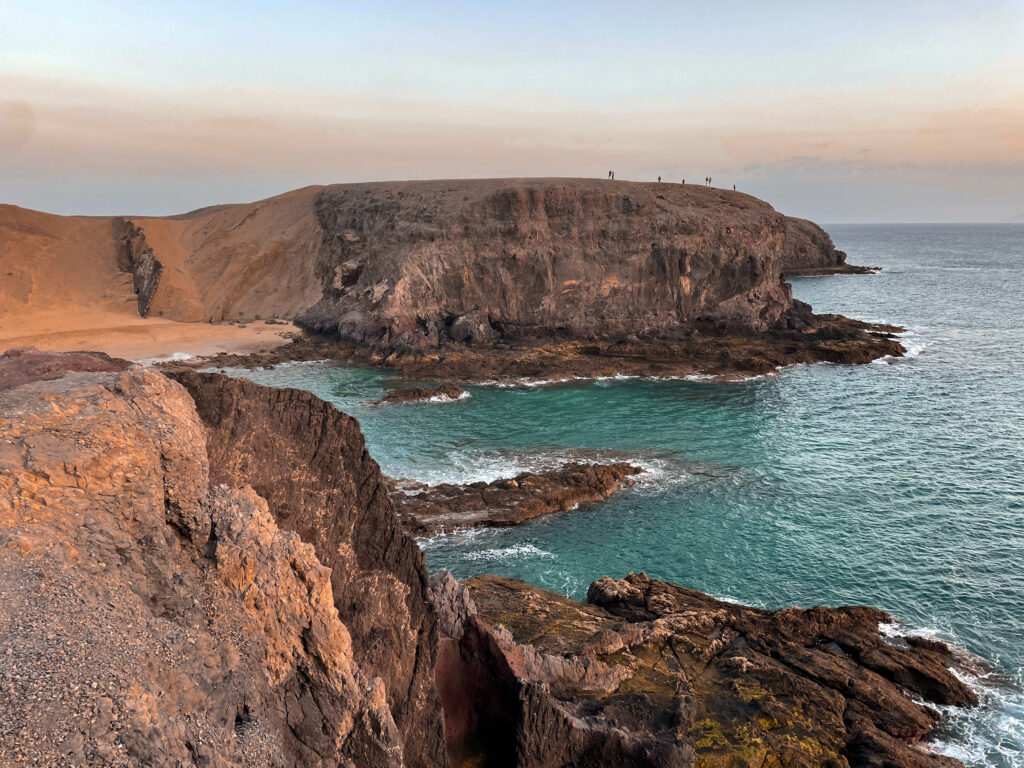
(514, 552)
(446, 399)
(461, 468)
(991, 733)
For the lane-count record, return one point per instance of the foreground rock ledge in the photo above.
(652, 674)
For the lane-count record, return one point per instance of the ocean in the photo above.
(898, 484)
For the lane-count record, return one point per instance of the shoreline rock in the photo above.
(647, 673)
(810, 251)
(420, 394)
(428, 510)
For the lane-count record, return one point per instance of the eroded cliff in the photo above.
(810, 251)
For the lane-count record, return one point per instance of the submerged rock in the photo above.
(417, 394)
(427, 510)
(651, 674)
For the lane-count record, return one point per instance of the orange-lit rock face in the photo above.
(148, 618)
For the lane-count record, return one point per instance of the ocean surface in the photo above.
(898, 484)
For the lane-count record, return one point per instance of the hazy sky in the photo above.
(838, 111)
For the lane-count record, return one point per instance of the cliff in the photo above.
(409, 265)
(154, 615)
(810, 251)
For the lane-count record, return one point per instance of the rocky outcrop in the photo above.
(135, 255)
(410, 265)
(810, 251)
(310, 463)
(22, 365)
(149, 617)
(652, 674)
(427, 510)
(440, 393)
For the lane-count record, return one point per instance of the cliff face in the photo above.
(408, 265)
(810, 251)
(149, 618)
(310, 463)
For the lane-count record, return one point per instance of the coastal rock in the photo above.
(427, 510)
(810, 251)
(147, 618)
(652, 674)
(419, 394)
(309, 461)
(135, 255)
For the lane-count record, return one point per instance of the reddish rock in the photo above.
(22, 365)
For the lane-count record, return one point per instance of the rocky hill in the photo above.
(417, 267)
(214, 575)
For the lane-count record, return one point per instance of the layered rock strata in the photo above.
(310, 463)
(651, 674)
(149, 616)
(427, 510)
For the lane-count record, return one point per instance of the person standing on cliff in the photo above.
(659, 179)
(733, 187)
(609, 174)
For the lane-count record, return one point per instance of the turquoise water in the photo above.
(898, 484)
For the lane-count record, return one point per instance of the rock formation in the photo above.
(149, 617)
(135, 255)
(427, 510)
(310, 463)
(652, 674)
(419, 394)
(810, 251)
(409, 265)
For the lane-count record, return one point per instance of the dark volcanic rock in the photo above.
(310, 463)
(652, 674)
(417, 394)
(409, 265)
(810, 251)
(427, 510)
(135, 255)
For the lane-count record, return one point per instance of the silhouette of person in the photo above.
(659, 179)
(609, 174)
(683, 181)
(733, 187)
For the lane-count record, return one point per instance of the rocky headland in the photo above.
(452, 280)
(207, 572)
(810, 251)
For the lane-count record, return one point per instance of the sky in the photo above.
(858, 111)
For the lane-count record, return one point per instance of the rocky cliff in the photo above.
(810, 251)
(310, 463)
(150, 616)
(409, 265)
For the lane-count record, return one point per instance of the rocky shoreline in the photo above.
(827, 338)
(210, 572)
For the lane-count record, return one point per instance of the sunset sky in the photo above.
(859, 111)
